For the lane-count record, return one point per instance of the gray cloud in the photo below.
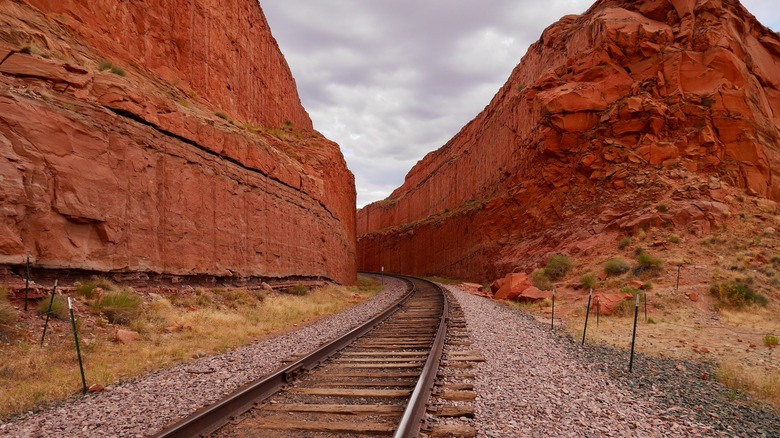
(391, 80)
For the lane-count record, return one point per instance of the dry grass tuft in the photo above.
(757, 381)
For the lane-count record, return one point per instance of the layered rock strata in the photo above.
(610, 112)
(163, 138)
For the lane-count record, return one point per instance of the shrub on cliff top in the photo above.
(557, 267)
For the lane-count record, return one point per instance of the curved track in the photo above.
(374, 381)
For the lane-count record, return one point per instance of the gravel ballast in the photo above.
(535, 383)
(144, 406)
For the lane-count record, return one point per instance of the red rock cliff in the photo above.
(631, 103)
(163, 137)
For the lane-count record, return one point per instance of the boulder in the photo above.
(532, 295)
(606, 303)
(127, 336)
(513, 286)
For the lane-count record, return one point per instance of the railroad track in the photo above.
(377, 380)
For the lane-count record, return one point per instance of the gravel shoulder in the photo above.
(144, 406)
(535, 383)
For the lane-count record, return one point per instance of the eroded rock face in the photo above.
(193, 156)
(631, 103)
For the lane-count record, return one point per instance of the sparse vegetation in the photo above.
(442, 280)
(674, 239)
(771, 341)
(109, 66)
(624, 242)
(8, 314)
(647, 264)
(588, 281)
(88, 289)
(737, 294)
(662, 208)
(298, 290)
(221, 115)
(119, 307)
(558, 266)
(758, 381)
(616, 266)
(540, 280)
(59, 308)
(520, 87)
(173, 332)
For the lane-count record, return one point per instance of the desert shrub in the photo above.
(771, 341)
(8, 314)
(557, 267)
(625, 308)
(646, 263)
(237, 298)
(674, 239)
(624, 243)
(86, 289)
(588, 281)
(221, 115)
(115, 69)
(540, 280)
(119, 307)
(59, 308)
(662, 208)
(616, 266)
(298, 290)
(737, 294)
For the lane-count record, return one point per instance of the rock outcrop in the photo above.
(163, 137)
(634, 114)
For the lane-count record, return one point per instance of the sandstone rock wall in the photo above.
(626, 104)
(223, 50)
(132, 171)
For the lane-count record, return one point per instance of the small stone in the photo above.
(127, 336)
(693, 296)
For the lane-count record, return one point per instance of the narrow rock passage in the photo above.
(536, 384)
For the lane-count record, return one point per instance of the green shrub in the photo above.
(616, 266)
(540, 281)
(59, 308)
(646, 263)
(771, 341)
(557, 267)
(737, 294)
(624, 243)
(221, 115)
(86, 289)
(119, 307)
(662, 208)
(588, 281)
(674, 239)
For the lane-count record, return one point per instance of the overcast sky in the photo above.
(391, 80)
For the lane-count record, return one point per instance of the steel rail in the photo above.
(411, 421)
(206, 420)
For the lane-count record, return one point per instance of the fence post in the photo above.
(27, 282)
(48, 312)
(587, 314)
(633, 336)
(552, 318)
(78, 349)
(677, 286)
